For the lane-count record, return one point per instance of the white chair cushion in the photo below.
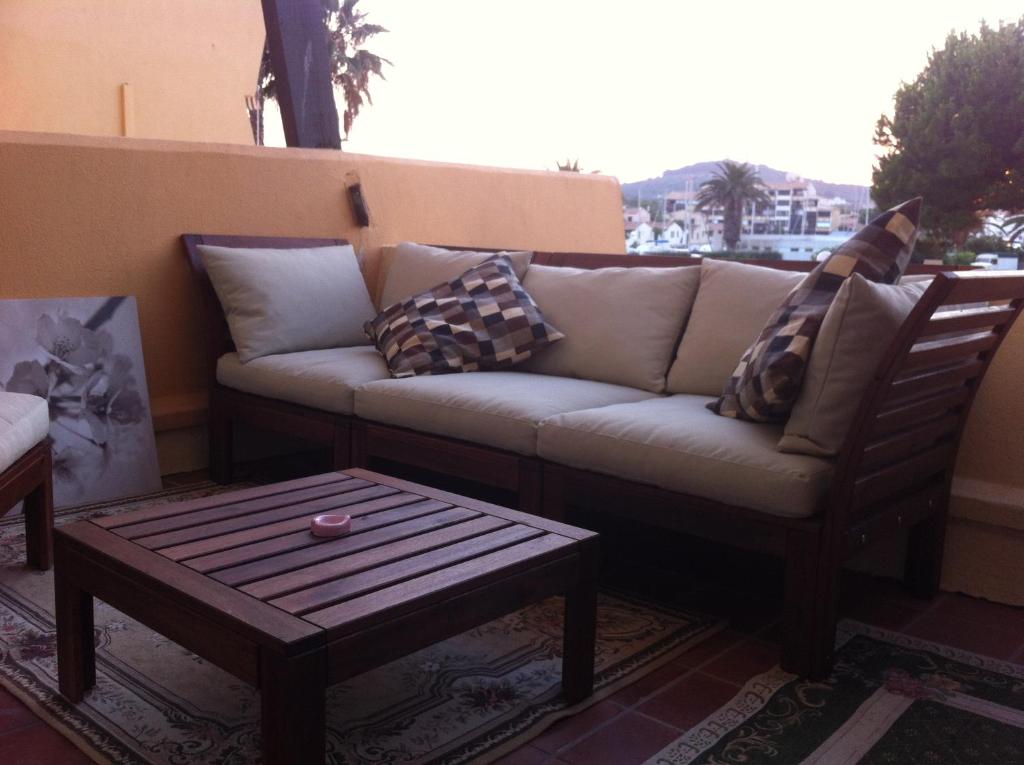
(499, 409)
(24, 422)
(281, 301)
(621, 325)
(322, 379)
(675, 443)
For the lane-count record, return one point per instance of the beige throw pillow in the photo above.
(284, 300)
(416, 268)
(733, 303)
(858, 328)
(767, 381)
(621, 325)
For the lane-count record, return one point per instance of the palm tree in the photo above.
(1014, 227)
(732, 187)
(351, 65)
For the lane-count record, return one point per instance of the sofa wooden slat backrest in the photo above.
(591, 260)
(910, 420)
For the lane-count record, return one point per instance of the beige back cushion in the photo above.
(415, 268)
(733, 304)
(279, 301)
(858, 328)
(621, 325)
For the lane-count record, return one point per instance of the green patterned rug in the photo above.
(891, 700)
(470, 698)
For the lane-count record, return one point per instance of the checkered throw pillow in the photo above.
(481, 320)
(765, 384)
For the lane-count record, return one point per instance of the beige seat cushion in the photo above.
(286, 300)
(860, 324)
(415, 268)
(322, 379)
(24, 422)
(499, 409)
(677, 444)
(732, 305)
(621, 325)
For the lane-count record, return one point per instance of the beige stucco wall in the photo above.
(101, 216)
(985, 537)
(188, 64)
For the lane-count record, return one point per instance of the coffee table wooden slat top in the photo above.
(371, 559)
(241, 565)
(224, 550)
(406, 541)
(219, 521)
(217, 500)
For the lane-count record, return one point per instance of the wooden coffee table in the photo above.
(239, 579)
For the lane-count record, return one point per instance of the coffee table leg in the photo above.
(292, 698)
(76, 649)
(580, 629)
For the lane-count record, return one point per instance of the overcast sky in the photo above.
(634, 88)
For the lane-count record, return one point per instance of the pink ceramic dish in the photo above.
(331, 525)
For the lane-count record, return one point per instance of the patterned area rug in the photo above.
(891, 700)
(470, 698)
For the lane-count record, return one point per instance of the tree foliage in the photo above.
(956, 136)
(1014, 228)
(732, 187)
(986, 243)
(352, 65)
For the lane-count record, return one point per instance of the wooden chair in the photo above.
(30, 478)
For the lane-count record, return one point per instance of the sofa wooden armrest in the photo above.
(896, 466)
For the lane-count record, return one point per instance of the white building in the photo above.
(635, 215)
(639, 233)
(681, 207)
(674, 234)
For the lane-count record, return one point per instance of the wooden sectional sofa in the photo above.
(893, 471)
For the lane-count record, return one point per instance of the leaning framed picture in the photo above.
(84, 356)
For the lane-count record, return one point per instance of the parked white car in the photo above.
(986, 260)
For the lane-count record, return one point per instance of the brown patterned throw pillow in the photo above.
(765, 384)
(479, 321)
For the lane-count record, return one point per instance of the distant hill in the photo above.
(692, 176)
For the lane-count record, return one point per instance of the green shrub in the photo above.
(959, 258)
(930, 247)
(988, 243)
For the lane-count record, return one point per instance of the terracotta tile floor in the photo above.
(637, 721)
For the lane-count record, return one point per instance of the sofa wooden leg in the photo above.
(925, 547)
(221, 432)
(38, 510)
(809, 611)
(358, 456)
(341, 457)
(552, 496)
(530, 486)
